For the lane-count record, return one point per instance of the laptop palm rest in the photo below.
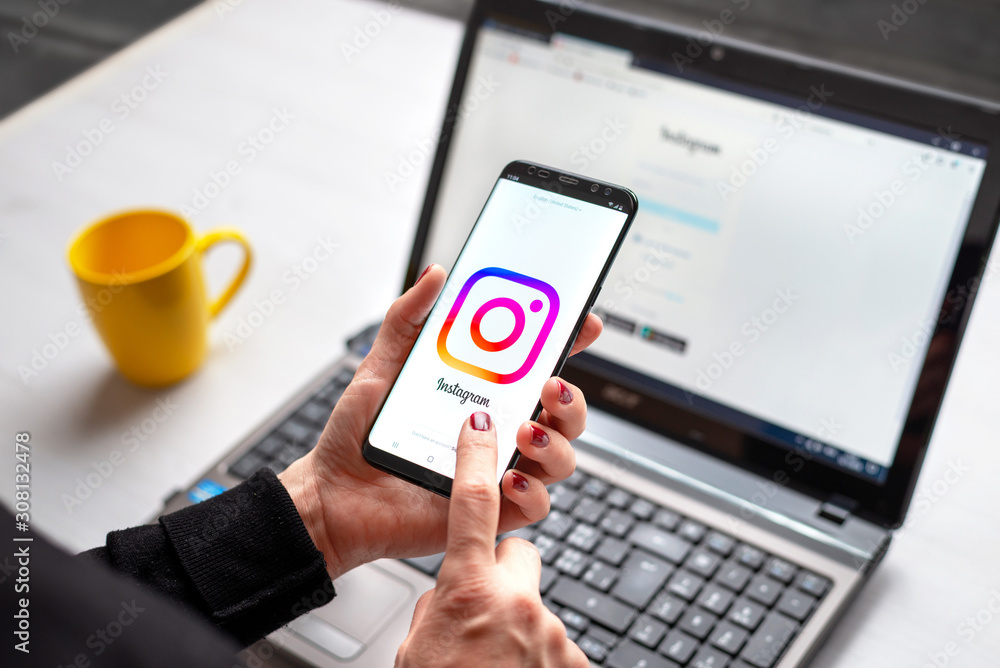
(368, 598)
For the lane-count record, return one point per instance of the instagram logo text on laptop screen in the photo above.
(785, 265)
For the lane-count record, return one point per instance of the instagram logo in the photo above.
(501, 354)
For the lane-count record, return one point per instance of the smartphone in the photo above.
(505, 322)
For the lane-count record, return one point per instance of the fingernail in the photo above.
(565, 394)
(424, 274)
(519, 482)
(539, 437)
(480, 421)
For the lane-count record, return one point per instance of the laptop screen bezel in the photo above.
(787, 74)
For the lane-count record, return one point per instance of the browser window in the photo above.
(787, 259)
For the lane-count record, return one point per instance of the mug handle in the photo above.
(208, 240)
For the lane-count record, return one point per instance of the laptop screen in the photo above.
(790, 256)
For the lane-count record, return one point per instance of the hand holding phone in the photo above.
(514, 302)
(356, 513)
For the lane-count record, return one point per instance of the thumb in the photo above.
(401, 326)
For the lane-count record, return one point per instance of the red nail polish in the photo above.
(565, 394)
(480, 421)
(424, 274)
(538, 437)
(519, 482)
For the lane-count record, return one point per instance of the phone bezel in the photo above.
(526, 173)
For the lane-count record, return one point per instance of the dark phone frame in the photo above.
(554, 180)
(793, 76)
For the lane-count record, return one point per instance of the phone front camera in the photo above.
(594, 188)
(531, 170)
(607, 192)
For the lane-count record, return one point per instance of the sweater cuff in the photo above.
(249, 557)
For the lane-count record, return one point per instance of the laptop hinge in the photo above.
(837, 508)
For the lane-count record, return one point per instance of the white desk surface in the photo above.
(323, 176)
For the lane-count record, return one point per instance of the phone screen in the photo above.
(498, 329)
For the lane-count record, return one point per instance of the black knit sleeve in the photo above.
(243, 559)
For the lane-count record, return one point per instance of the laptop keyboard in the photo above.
(636, 584)
(640, 586)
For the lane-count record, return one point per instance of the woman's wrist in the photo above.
(302, 486)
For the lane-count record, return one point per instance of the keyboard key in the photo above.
(685, 584)
(666, 519)
(576, 479)
(247, 465)
(573, 619)
(600, 576)
(647, 631)
(595, 487)
(572, 562)
(667, 607)
(796, 604)
(613, 550)
(769, 641)
(314, 413)
(693, 531)
(733, 576)
(553, 607)
(716, 599)
(572, 633)
(720, 543)
(617, 523)
(749, 556)
(746, 613)
(728, 637)
(589, 510)
(698, 623)
(659, 542)
(599, 607)
(549, 576)
(584, 537)
(595, 651)
(642, 509)
(429, 564)
(678, 646)
(548, 549)
(603, 636)
(641, 577)
(618, 498)
(702, 562)
(556, 524)
(708, 657)
(812, 583)
(631, 655)
(270, 446)
(562, 497)
(780, 570)
(298, 432)
(763, 590)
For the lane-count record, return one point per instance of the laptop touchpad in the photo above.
(367, 599)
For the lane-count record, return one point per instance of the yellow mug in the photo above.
(140, 276)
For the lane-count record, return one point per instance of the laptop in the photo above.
(780, 326)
